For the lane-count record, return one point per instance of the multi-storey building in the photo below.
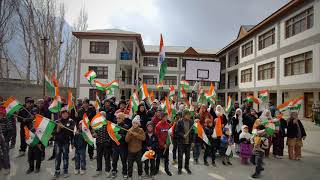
(281, 54)
(121, 55)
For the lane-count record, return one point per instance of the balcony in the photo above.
(232, 85)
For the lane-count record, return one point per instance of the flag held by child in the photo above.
(113, 130)
(31, 139)
(201, 134)
(148, 155)
(12, 105)
(44, 128)
(86, 134)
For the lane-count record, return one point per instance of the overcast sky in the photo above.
(197, 23)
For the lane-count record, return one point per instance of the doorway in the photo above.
(308, 101)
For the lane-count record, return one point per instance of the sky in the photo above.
(197, 23)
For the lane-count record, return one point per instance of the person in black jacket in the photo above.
(249, 119)
(25, 119)
(63, 139)
(280, 134)
(120, 150)
(295, 135)
(210, 150)
(34, 154)
(110, 116)
(186, 138)
(151, 143)
(90, 112)
(80, 146)
(153, 110)
(142, 112)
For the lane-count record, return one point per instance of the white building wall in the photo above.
(269, 48)
(149, 68)
(111, 72)
(305, 34)
(246, 84)
(302, 78)
(85, 51)
(249, 57)
(267, 82)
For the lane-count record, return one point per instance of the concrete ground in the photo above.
(275, 169)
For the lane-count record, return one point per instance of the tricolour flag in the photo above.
(218, 128)
(185, 84)
(134, 103)
(112, 85)
(211, 94)
(98, 102)
(159, 85)
(254, 99)
(31, 139)
(85, 131)
(12, 105)
(113, 130)
(170, 134)
(168, 106)
(90, 75)
(162, 62)
(171, 92)
(201, 134)
(70, 102)
(99, 85)
(296, 104)
(148, 155)
(56, 104)
(86, 119)
(44, 128)
(229, 104)
(201, 97)
(284, 106)
(263, 95)
(55, 81)
(152, 96)
(98, 121)
(49, 84)
(143, 90)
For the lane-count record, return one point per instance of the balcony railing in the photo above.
(126, 56)
(232, 84)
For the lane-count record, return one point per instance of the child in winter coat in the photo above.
(225, 142)
(210, 150)
(80, 146)
(151, 143)
(135, 138)
(245, 145)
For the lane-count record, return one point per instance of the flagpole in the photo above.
(27, 110)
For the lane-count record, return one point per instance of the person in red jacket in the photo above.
(162, 129)
(156, 118)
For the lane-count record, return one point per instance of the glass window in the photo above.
(172, 62)
(266, 71)
(150, 61)
(299, 23)
(246, 75)
(101, 71)
(99, 47)
(170, 80)
(247, 49)
(267, 39)
(150, 79)
(298, 64)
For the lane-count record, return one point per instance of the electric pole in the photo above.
(44, 40)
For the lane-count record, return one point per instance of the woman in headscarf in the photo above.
(220, 112)
(203, 114)
(295, 135)
(278, 139)
(237, 123)
(143, 116)
(266, 116)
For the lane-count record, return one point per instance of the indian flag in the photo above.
(159, 85)
(201, 97)
(134, 104)
(152, 96)
(211, 94)
(170, 134)
(90, 75)
(12, 105)
(148, 155)
(284, 106)
(98, 121)
(31, 138)
(185, 84)
(56, 104)
(55, 81)
(183, 95)
(296, 104)
(229, 105)
(49, 84)
(171, 92)
(100, 86)
(70, 102)
(113, 130)
(44, 128)
(98, 102)
(201, 134)
(263, 95)
(112, 85)
(162, 63)
(254, 99)
(86, 134)
(168, 107)
(143, 91)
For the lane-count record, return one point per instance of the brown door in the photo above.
(308, 101)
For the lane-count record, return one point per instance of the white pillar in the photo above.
(132, 76)
(279, 97)
(315, 97)
(225, 98)
(255, 94)
(239, 98)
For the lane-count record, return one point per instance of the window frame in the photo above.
(167, 59)
(289, 63)
(247, 49)
(105, 70)
(96, 47)
(153, 80)
(244, 75)
(149, 59)
(306, 19)
(264, 37)
(265, 68)
(171, 81)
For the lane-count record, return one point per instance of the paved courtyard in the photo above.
(306, 169)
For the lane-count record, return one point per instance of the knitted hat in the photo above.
(136, 119)
(149, 123)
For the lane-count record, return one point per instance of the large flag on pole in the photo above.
(162, 63)
(44, 128)
(12, 105)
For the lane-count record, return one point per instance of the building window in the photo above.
(101, 71)
(92, 94)
(266, 71)
(150, 61)
(267, 39)
(172, 62)
(247, 49)
(246, 75)
(150, 79)
(99, 47)
(170, 80)
(299, 23)
(298, 64)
